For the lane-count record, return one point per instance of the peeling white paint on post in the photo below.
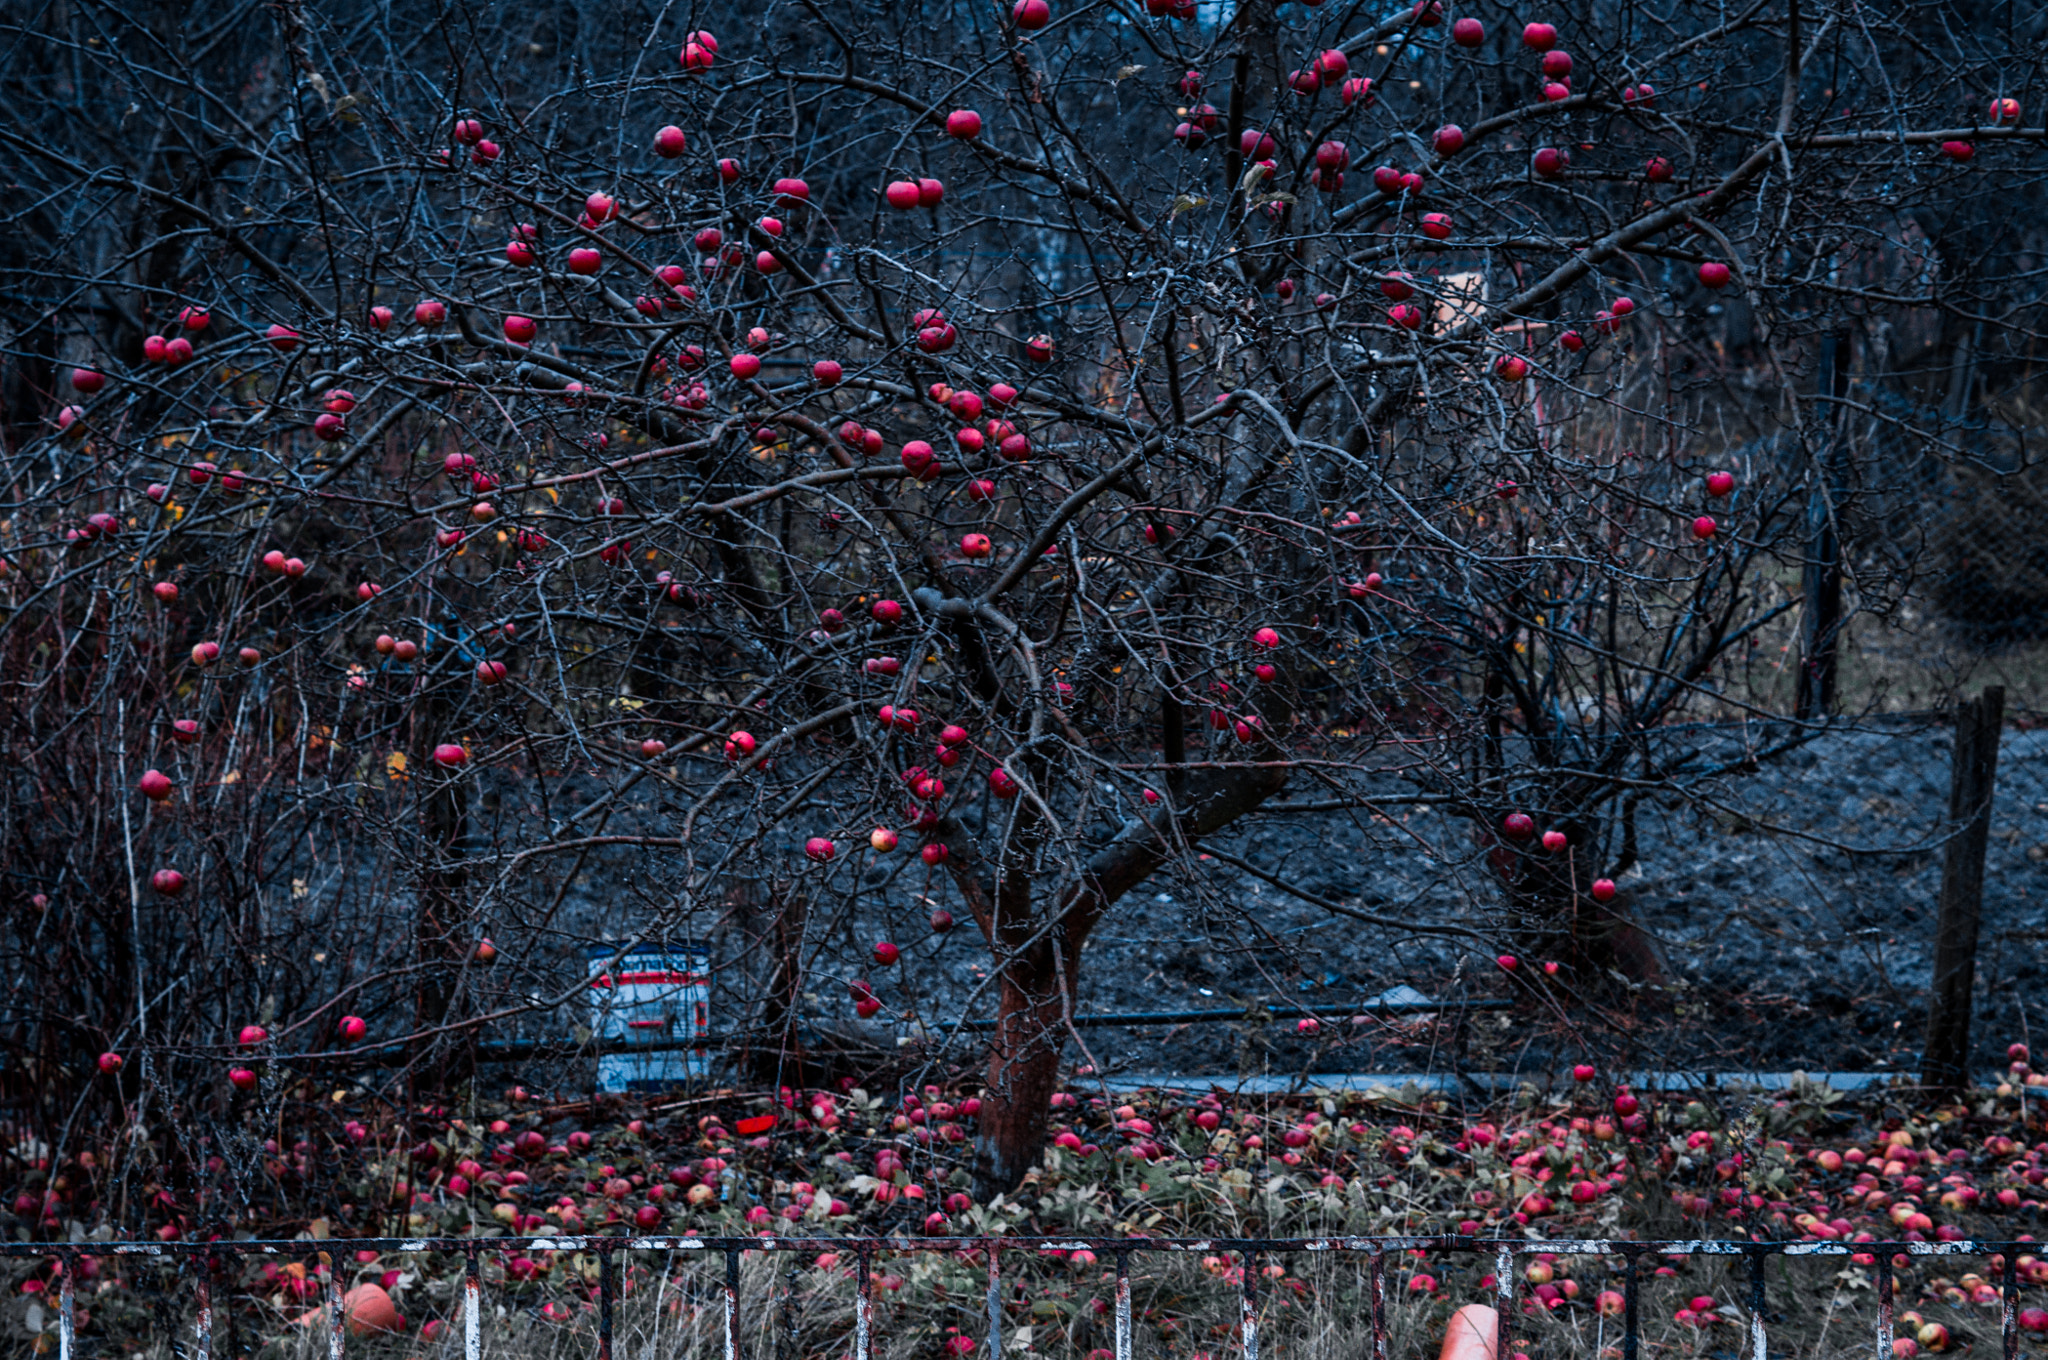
(1248, 1306)
(336, 1318)
(472, 1308)
(1123, 1306)
(995, 1306)
(732, 1304)
(203, 1331)
(1884, 1306)
(1504, 1289)
(1379, 1304)
(66, 1307)
(863, 1310)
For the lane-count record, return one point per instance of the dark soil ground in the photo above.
(1794, 910)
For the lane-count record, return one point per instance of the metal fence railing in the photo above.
(203, 1261)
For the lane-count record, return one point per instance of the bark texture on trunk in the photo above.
(1557, 914)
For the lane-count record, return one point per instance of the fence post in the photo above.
(1944, 1062)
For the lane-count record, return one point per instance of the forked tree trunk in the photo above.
(1039, 959)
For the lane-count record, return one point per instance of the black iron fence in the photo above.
(203, 1261)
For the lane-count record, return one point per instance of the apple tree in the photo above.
(1001, 446)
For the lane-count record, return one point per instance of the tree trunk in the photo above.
(1973, 779)
(779, 1055)
(1558, 916)
(1023, 1070)
(1039, 961)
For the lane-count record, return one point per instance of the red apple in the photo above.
(964, 124)
(1511, 367)
(1720, 483)
(169, 882)
(902, 193)
(1508, 962)
(1658, 170)
(430, 312)
(653, 748)
(1583, 1072)
(1554, 841)
(1541, 37)
(110, 1063)
(1518, 826)
(352, 1029)
(450, 755)
(883, 840)
(1468, 33)
(1031, 14)
(1450, 140)
(1703, 527)
(820, 849)
(185, 731)
(887, 612)
(930, 193)
(282, 338)
(935, 854)
(490, 672)
(976, 545)
(87, 381)
(1714, 274)
(252, 1035)
(746, 366)
(886, 953)
(1550, 161)
(826, 372)
(243, 1078)
(670, 142)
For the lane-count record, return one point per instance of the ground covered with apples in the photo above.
(1587, 1161)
